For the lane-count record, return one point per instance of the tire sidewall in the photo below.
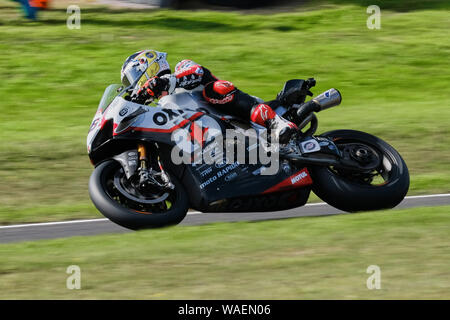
(129, 218)
(348, 196)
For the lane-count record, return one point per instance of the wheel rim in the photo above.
(123, 192)
(366, 154)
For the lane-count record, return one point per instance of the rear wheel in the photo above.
(117, 199)
(379, 188)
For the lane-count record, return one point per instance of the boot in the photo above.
(264, 115)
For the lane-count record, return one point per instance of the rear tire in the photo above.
(348, 195)
(127, 217)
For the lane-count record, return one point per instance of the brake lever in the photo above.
(311, 82)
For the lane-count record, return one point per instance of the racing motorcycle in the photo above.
(137, 184)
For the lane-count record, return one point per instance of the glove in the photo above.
(154, 88)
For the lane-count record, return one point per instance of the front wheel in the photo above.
(381, 188)
(117, 200)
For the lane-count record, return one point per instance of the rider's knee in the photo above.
(219, 92)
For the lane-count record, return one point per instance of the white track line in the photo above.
(42, 224)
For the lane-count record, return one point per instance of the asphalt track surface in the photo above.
(64, 229)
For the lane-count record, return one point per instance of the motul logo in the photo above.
(299, 177)
(296, 180)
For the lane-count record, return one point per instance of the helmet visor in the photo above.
(131, 74)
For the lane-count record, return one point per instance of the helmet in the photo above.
(142, 66)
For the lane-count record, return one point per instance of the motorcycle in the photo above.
(137, 184)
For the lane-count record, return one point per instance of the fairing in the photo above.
(123, 122)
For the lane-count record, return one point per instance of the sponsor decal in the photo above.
(123, 112)
(221, 101)
(231, 176)
(309, 146)
(219, 165)
(206, 171)
(225, 170)
(208, 182)
(166, 115)
(94, 124)
(220, 174)
(298, 179)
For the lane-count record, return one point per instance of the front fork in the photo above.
(147, 175)
(142, 170)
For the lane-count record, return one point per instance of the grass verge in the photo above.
(303, 258)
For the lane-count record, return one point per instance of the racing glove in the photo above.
(155, 87)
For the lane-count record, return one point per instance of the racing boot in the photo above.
(264, 115)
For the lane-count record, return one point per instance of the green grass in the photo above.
(303, 258)
(394, 83)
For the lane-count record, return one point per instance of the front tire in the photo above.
(354, 192)
(111, 208)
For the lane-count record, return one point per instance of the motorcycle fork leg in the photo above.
(142, 155)
(143, 173)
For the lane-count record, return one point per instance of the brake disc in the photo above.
(126, 194)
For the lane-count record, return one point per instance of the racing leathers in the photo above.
(222, 94)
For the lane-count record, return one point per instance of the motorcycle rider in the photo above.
(156, 80)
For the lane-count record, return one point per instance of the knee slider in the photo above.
(219, 92)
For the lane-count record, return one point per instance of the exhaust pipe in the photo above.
(328, 99)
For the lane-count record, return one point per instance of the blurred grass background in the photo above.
(394, 82)
(306, 258)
